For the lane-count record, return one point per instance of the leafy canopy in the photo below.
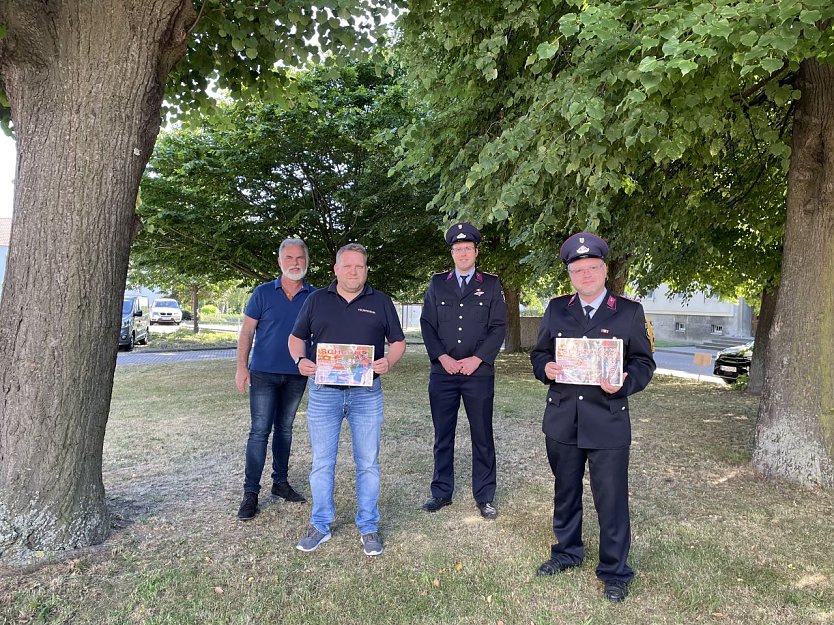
(217, 200)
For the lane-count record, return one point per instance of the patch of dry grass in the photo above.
(712, 542)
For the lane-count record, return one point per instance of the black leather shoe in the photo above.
(248, 507)
(616, 591)
(551, 567)
(285, 491)
(488, 511)
(433, 504)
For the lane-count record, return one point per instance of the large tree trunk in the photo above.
(85, 82)
(512, 343)
(617, 276)
(795, 429)
(762, 340)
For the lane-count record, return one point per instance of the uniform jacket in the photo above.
(469, 324)
(582, 415)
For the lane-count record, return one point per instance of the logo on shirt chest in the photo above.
(365, 310)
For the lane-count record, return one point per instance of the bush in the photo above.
(209, 310)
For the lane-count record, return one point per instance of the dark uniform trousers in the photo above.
(464, 323)
(477, 392)
(584, 424)
(608, 469)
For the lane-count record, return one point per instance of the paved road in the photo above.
(676, 361)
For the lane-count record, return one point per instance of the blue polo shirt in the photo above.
(275, 314)
(369, 319)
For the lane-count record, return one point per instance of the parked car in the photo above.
(733, 362)
(166, 311)
(135, 322)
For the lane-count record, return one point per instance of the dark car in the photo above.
(135, 322)
(733, 362)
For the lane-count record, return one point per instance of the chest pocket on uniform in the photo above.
(445, 311)
(481, 311)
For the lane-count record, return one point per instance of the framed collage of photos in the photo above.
(343, 364)
(588, 361)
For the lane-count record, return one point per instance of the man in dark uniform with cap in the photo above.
(464, 321)
(591, 423)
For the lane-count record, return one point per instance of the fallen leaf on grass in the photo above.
(435, 582)
(718, 615)
(218, 590)
(458, 567)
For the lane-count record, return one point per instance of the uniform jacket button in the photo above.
(460, 317)
(559, 334)
(550, 400)
(623, 408)
(460, 329)
(458, 340)
(442, 303)
(461, 305)
(580, 397)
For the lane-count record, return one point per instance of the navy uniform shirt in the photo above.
(369, 319)
(461, 325)
(276, 315)
(585, 415)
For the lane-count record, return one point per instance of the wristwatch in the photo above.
(298, 360)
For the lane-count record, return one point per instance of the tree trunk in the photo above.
(194, 310)
(512, 343)
(795, 428)
(617, 276)
(761, 347)
(85, 83)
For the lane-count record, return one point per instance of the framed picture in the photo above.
(589, 361)
(344, 364)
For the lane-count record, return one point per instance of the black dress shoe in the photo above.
(433, 504)
(616, 591)
(286, 492)
(551, 567)
(248, 507)
(488, 511)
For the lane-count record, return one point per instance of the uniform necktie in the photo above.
(588, 310)
(463, 282)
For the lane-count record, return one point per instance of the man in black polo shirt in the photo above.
(348, 311)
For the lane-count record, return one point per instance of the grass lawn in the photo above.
(712, 542)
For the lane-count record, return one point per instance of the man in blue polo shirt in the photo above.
(275, 386)
(348, 311)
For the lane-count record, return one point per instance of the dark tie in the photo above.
(588, 310)
(463, 282)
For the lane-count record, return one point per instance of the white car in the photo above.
(166, 311)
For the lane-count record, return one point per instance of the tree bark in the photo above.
(617, 276)
(195, 311)
(512, 343)
(761, 346)
(85, 82)
(795, 428)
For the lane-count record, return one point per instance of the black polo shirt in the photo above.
(369, 319)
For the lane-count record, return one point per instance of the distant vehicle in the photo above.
(166, 311)
(733, 362)
(135, 322)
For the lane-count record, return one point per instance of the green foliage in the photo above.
(665, 126)
(219, 199)
(209, 310)
(247, 49)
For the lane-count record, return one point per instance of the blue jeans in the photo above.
(273, 401)
(362, 407)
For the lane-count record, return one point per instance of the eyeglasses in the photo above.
(463, 248)
(576, 271)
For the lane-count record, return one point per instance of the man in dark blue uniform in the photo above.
(463, 323)
(587, 422)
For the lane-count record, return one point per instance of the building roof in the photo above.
(5, 231)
